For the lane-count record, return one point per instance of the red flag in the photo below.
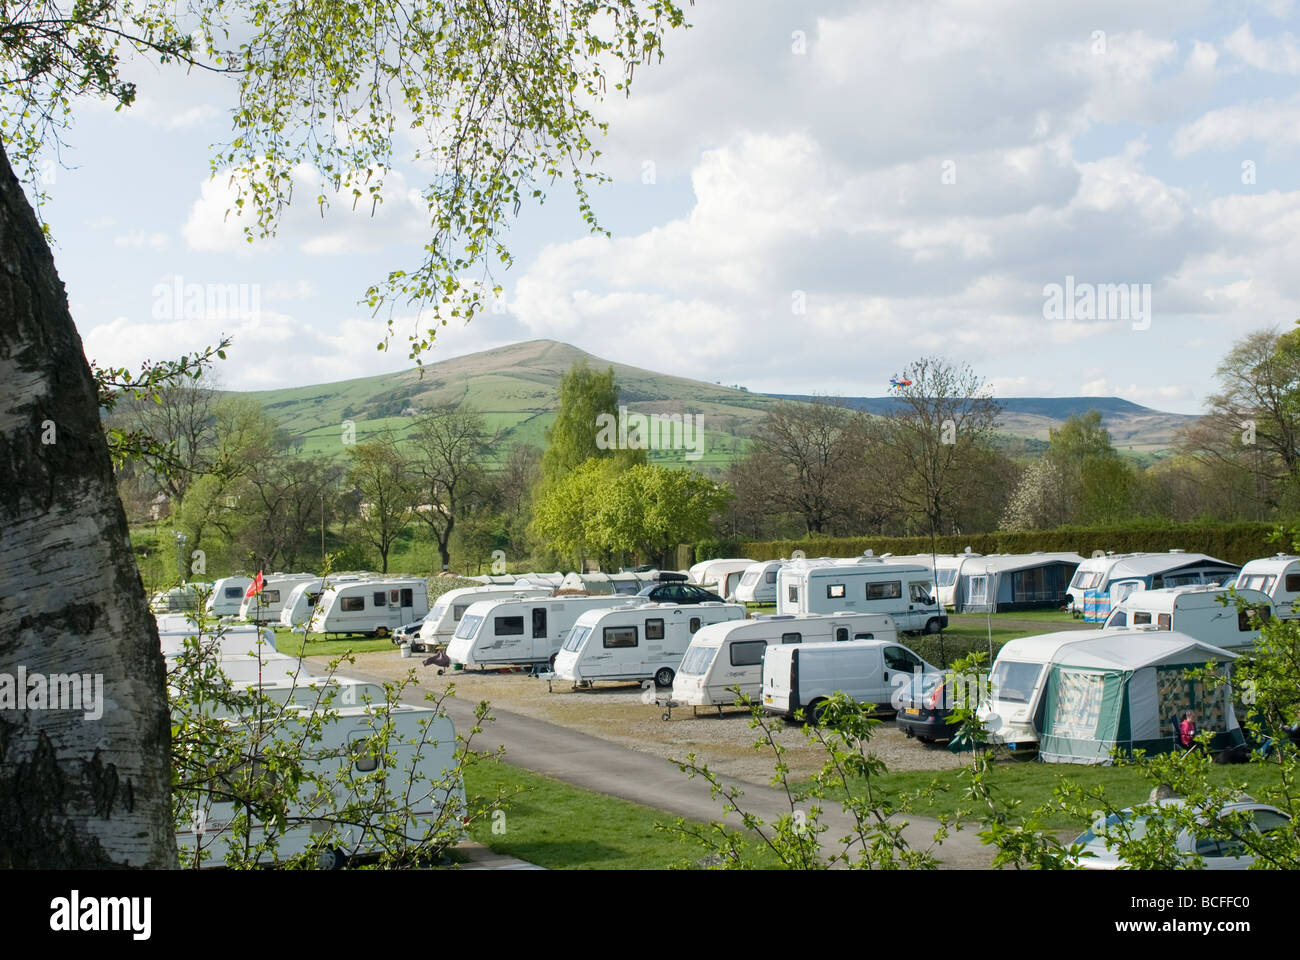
(256, 585)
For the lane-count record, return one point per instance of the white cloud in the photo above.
(1266, 122)
(1279, 54)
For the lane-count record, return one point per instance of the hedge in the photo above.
(1233, 542)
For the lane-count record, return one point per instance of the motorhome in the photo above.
(1101, 582)
(418, 767)
(904, 591)
(1277, 576)
(372, 607)
(727, 655)
(802, 676)
(515, 630)
(1077, 695)
(444, 618)
(265, 605)
(227, 596)
(1197, 612)
(636, 642)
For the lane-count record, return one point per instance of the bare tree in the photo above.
(448, 446)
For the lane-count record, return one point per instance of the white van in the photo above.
(442, 621)
(726, 655)
(801, 676)
(227, 596)
(904, 591)
(265, 605)
(1277, 576)
(505, 630)
(1196, 612)
(373, 607)
(637, 642)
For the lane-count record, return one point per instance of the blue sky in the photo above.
(914, 177)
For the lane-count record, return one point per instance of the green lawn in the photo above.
(1032, 784)
(310, 645)
(562, 827)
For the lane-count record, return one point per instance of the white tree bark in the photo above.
(74, 792)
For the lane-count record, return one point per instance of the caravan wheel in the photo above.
(331, 859)
(664, 678)
(381, 632)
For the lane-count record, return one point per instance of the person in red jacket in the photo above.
(1187, 730)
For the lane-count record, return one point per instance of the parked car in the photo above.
(676, 592)
(1218, 853)
(923, 707)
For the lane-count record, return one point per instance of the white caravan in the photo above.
(521, 630)
(904, 591)
(726, 655)
(179, 599)
(373, 607)
(1277, 576)
(265, 605)
(443, 620)
(299, 607)
(801, 676)
(1196, 612)
(723, 575)
(227, 596)
(758, 582)
(1101, 582)
(636, 642)
(420, 767)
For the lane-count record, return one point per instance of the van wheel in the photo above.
(932, 626)
(664, 678)
(381, 632)
(331, 858)
(814, 711)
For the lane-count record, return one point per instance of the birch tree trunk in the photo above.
(74, 792)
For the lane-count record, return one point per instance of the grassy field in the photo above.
(310, 645)
(561, 827)
(1033, 784)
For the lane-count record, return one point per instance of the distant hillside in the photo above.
(1132, 426)
(517, 389)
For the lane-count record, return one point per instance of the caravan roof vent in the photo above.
(1177, 551)
(868, 553)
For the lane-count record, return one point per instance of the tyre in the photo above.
(331, 858)
(664, 677)
(381, 632)
(814, 711)
(932, 625)
(554, 656)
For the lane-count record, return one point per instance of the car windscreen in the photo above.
(1137, 827)
(575, 638)
(697, 660)
(467, 627)
(1014, 681)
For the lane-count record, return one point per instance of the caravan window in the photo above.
(620, 637)
(1119, 619)
(792, 638)
(834, 591)
(888, 590)
(947, 577)
(792, 593)
(1141, 619)
(539, 622)
(769, 577)
(576, 636)
(467, 627)
(509, 626)
(841, 634)
(978, 591)
(1013, 681)
(395, 597)
(1085, 580)
(750, 578)
(458, 610)
(366, 758)
(381, 598)
(408, 597)
(1164, 622)
(697, 660)
(1293, 583)
(270, 596)
(352, 604)
(695, 625)
(233, 592)
(747, 653)
(654, 629)
(1263, 614)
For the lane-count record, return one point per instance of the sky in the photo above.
(807, 196)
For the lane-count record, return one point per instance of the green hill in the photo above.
(516, 387)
